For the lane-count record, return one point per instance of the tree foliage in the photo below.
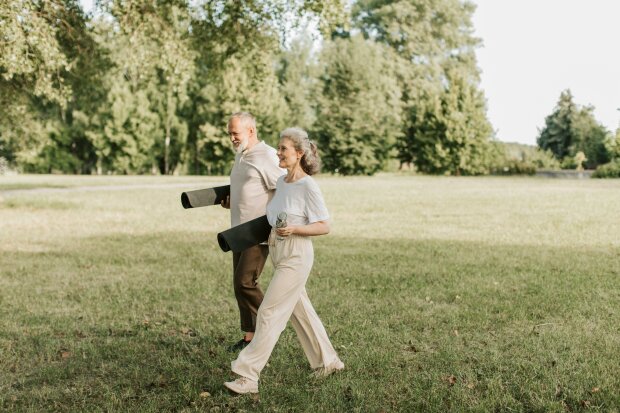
(359, 112)
(613, 145)
(448, 133)
(298, 74)
(445, 128)
(237, 44)
(31, 58)
(50, 69)
(147, 86)
(571, 129)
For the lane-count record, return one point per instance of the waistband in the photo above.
(273, 238)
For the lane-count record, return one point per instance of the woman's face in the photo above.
(287, 153)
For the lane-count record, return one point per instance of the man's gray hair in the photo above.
(246, 118)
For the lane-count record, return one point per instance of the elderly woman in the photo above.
(290, 248)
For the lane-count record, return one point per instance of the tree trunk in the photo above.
(167, 140)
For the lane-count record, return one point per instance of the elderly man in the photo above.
(252, 184)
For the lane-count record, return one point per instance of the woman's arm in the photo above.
(316, 228)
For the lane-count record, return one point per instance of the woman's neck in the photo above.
(295, 173)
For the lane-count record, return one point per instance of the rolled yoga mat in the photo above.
(205, 197)
(245, 235)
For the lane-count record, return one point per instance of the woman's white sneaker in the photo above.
(242, 385)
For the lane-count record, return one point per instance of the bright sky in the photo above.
(535, 49)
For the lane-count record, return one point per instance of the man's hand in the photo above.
(226, 202)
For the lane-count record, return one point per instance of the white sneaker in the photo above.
(326, 371)
(242, 385)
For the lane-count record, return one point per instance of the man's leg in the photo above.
(247, 267)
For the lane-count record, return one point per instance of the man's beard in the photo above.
(242, 145)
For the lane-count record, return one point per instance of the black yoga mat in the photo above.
(245, 235)
(205, 197)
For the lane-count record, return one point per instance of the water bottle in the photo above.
(281, 223)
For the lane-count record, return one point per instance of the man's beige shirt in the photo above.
(253, 182)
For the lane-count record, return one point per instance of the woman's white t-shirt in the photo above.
(301, 200)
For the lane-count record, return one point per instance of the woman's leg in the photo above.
(312, 334)
(292, 259)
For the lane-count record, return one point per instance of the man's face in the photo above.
(239, 134)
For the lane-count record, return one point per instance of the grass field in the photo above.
(440, 294)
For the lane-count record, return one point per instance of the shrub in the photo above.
(542, 159)
(520, 159)
(569, 163)
(608, 170)
(514, 167)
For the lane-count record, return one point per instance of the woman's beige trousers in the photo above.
(286, 299)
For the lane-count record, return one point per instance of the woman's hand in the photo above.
(286, 231)
(316, 228)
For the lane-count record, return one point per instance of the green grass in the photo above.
(440, 294)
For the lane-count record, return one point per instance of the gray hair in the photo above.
(310, 161)
(246, 118)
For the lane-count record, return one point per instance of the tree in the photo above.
(239, 45)
(32, 68)
(31, 59)
(298, 74)
(250, 84)
(358, 110)
(448, 133)
(590, 138)
(571, 129)
(89, 64)
(558, 135)
(613, 145)
(153, 81)
(140, 128)
(445, 128)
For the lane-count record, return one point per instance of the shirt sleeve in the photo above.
(315, 208)
(271, 171)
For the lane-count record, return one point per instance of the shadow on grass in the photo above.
(142, 322)
(36, 204)
(27, 186)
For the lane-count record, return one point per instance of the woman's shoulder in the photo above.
(310, 185)
(306, 184)
(280, 180)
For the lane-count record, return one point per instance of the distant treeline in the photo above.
(147, 86)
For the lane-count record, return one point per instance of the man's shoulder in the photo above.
(263, 156)
(262, 148)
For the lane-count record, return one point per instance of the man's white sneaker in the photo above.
(326, 371)
(242, 385)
